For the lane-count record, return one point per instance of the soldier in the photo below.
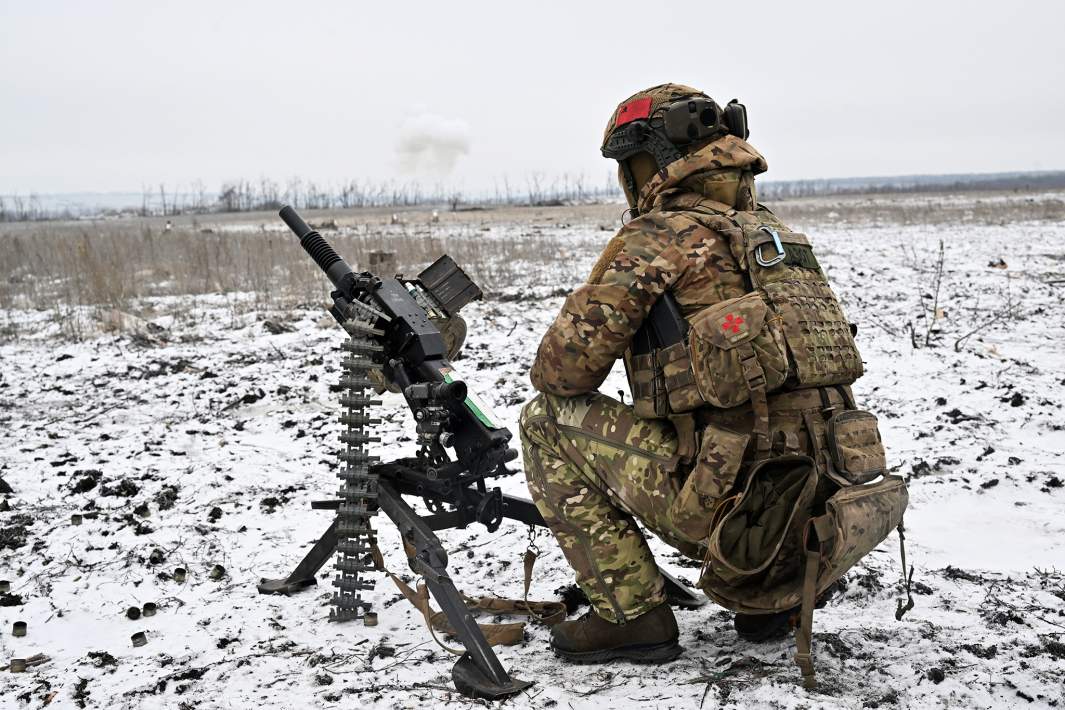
(595, 466)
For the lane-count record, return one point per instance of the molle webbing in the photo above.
(818, 335)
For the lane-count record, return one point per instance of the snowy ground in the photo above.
(207, 448)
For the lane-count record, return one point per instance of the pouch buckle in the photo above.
(805, 662)
(752, 369)
(780, 255)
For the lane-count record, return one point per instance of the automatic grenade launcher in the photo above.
(393, 340)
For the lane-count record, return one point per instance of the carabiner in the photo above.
(776, 243)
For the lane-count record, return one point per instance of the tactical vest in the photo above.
(789, 332)
(778, 529)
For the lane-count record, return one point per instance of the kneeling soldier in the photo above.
(763, 358)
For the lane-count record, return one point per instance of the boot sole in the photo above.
(658, 653)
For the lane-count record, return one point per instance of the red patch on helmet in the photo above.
(633, 111)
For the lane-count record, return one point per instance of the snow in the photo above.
(232, 416)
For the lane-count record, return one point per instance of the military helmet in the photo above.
(666, 121)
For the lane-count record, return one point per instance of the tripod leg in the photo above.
(478, 673)
(303, 576)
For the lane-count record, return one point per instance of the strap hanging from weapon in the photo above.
(419, 599)
(547, 613)
(508, 634)
(528, 562)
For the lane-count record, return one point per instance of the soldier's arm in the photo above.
(600, 317)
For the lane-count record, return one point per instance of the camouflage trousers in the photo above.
(593, 469)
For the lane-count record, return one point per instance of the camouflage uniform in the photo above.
(593, 467)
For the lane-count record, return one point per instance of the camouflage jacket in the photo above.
(661, 250)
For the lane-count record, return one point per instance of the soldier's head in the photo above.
(652, 128)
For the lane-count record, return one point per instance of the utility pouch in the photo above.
(855, 451)
(646, 385)
(758, 543)
(682, 392)
(711, 479)
(769, 553)
(755, 553)
(655, 355)
(857, 519)
(729, 344)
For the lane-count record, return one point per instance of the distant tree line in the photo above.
(15, 208)
(536, 189)
(1017, 181)
(265, 194)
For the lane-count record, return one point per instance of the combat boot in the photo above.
(757, 628)
(649, 638)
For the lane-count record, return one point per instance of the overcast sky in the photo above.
(110, 96)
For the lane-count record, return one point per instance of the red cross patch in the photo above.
(732, 323)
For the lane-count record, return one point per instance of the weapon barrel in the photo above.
(451, 391)
(314, 244)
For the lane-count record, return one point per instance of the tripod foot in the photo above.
(682, 596)
(473, 683)
(284, 586)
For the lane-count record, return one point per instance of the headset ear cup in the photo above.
(736, 119)
(691, 120)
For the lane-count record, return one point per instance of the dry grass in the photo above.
(113, 265)
(64, 267)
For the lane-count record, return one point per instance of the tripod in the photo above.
(478, 673)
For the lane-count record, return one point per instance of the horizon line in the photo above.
(444, 186)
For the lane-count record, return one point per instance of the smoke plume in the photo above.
(432, 144)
